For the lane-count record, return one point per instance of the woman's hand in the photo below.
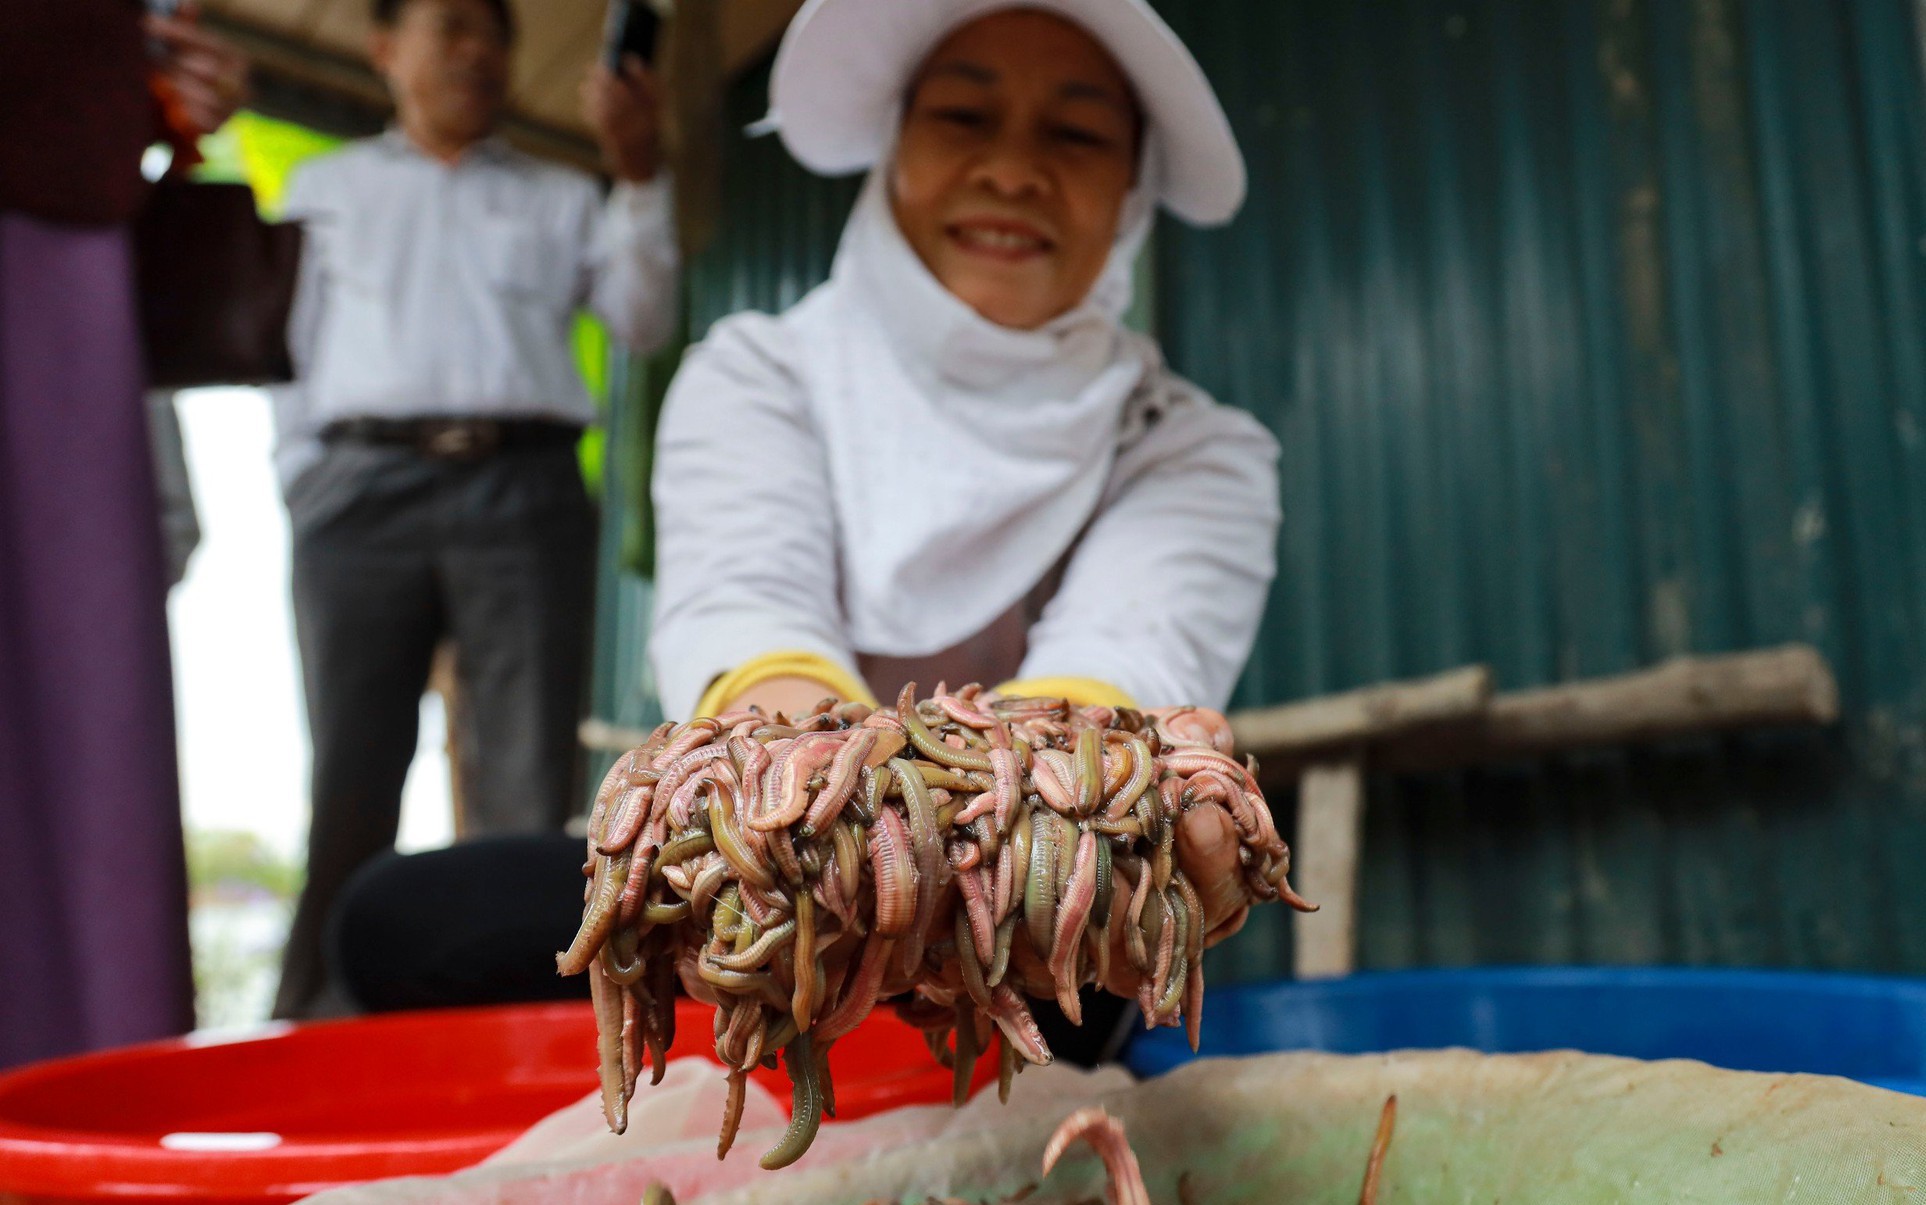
(1207, 854)
(1207, 850)
(793, 696)
(207, 75)
(625, 113)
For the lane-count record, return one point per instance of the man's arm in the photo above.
(634, 266)
(634, 263)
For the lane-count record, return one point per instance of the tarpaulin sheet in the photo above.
(1291, 1128)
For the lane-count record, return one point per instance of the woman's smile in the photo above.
(1002, 240)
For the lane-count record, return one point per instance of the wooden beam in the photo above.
(1452, 721)
(283, 55)
(1361, 716)
(1780, 687)
(600, 736)
(286, 99)
(285, 66)
(1790, 685)
(1330, 834)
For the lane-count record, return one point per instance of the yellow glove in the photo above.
(787, 663)
(1081, 692)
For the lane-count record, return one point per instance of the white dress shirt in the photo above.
(430, 289)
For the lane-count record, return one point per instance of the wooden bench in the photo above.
(1454, 719)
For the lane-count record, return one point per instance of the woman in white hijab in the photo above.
(951, 461)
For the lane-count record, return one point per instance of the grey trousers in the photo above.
(392, 552)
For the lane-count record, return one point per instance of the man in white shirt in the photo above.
(428, 446)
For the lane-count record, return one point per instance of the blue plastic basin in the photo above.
(1868, 1028)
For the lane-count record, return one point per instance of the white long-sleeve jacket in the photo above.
(1163, 592)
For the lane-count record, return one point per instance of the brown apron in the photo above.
(991, 656)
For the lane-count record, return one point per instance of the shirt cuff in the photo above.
(636, 211)
(1080, 692)
(788, 663)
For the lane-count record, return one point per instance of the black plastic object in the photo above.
(631, 30)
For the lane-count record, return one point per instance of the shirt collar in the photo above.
(489, 149)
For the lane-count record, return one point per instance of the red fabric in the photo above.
(75, 109)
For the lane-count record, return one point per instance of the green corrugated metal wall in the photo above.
(620, 687)
(1593, 333)
(779, 223)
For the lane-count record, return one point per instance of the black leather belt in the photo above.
(463, 439)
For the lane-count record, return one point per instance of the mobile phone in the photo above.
(630, 30)
(156, 49)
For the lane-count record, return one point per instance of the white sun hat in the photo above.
(836, 92)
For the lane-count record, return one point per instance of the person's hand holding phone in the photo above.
(205, 74)
(624, 111)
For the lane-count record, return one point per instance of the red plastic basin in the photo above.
(296, 1109)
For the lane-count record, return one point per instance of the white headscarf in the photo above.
(964, 456)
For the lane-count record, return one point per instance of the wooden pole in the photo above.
(1371, 714)
(446, 682)
(600, 736)
(1330, 834)
(693, 85)
(750, 30)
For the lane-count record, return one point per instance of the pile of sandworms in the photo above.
(960, 853)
